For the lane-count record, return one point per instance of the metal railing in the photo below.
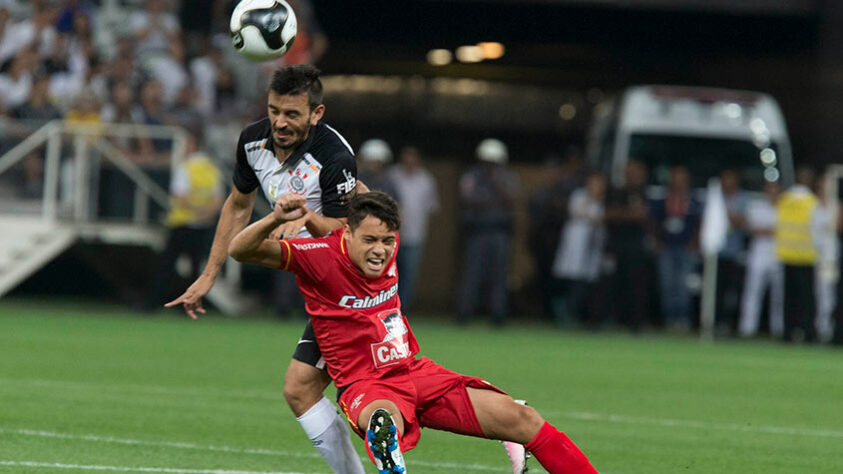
(86, 138)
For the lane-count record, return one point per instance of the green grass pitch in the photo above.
(93, 388)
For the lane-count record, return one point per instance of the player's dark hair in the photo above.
(375, 204)
(298, 79)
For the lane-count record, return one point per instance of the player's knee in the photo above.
(526, 423)
(301, 393)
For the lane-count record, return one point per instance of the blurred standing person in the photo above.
(580, 253)
(626, 222)
(676, 218)
(153, 28)
(16, 81)
(828, 253)
(547, 209)
(797, 231)
(730, 270)
(837, 338)
(415, 190)
(197, 194)
(763, 269)
(488, 191)
(373, 158)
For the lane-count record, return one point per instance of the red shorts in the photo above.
(427, 394)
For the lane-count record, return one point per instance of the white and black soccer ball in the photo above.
(263, 29)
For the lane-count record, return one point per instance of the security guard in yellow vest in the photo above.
(197, 194)
(796, 235)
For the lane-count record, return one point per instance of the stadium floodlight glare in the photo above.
(491, 49)
(568, 111)
(469, 54)
(768, 157)
(439, 57)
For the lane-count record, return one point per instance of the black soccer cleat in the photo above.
(382, 437)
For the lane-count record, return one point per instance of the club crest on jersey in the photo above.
(394, 347)
(296, 184)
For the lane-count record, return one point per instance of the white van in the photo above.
(707, 130)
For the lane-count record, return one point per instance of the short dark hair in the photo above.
(298, 79)
(376, 204)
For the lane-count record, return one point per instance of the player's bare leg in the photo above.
(303, 387)
(383, 436)
(516, 452)
(502, 418)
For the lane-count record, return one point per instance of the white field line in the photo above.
(87, 467)
(636, 420)
(230, 449)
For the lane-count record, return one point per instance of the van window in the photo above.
(704, 157)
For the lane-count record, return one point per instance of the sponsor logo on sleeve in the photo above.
(347, 188)
(311, 246)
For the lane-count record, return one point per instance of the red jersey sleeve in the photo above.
(305, 257)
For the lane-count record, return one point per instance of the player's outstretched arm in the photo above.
(251, 244)
(235, 214)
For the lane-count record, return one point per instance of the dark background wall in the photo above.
(790, 49)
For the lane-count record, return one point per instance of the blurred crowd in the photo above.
(155, 62)
(629, 253)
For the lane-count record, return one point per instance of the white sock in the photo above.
(331, 437)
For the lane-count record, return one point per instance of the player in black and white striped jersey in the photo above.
(292, 151)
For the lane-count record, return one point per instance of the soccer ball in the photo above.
(263, 29)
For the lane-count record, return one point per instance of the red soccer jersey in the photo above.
(357, 320)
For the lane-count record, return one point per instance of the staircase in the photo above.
(26, 245)
(33, 232)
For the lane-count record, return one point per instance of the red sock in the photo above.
(557, 453)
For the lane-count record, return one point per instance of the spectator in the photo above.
(373, 158)
(185, 111)
(122, 109)
(828, 253)
(152, 113)
(488, 192)
(763, 269)
(38, 106)
(730, 270)
(197, 194)
(85, 110)
(153, 29)
(36, 31)
(580, 254)
(547, 208)
(676, 220)
(626, 220)
(205, 71)
(16, 82)
(837, 339)
(415, 190)
(797, 231)
(170, 71)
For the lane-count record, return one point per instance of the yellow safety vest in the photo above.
(204, 178)
(794, 236)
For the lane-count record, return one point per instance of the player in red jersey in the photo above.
(349, 281)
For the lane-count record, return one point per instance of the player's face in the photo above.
(291, 119)
(370, 246)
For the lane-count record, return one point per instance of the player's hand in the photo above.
(287, 230)
(192, 298)
(289, 207)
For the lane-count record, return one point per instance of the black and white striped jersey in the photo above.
(322, 169)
